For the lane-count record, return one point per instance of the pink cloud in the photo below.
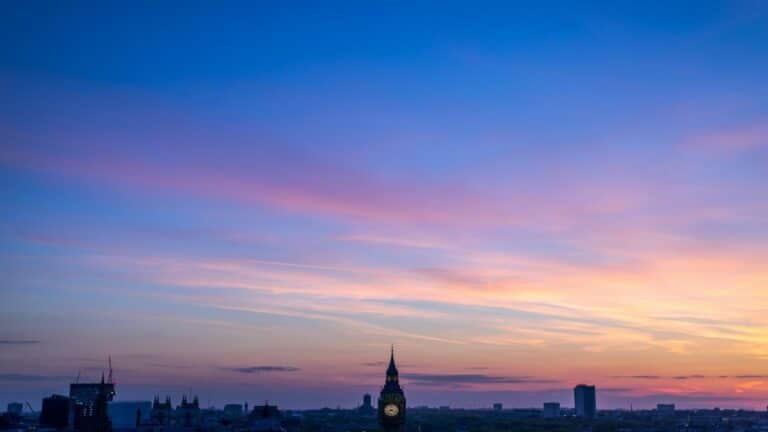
(305, 186)
(735, 140)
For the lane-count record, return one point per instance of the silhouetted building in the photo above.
(585, 401)
(665, 410)
(92, 416)
(367, 407)
(88, 392)
(266, 418)
(15, 408)
(55, 412)
(551, 410)
(498, 406)
(161, 411)
(233, 411)
(392, 400)
(188, 413)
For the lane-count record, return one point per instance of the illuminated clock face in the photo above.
(391, 410)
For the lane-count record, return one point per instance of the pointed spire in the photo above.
(102, 377)
(392, 369)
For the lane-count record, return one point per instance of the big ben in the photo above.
(392, 400)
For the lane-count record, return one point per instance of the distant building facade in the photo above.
(585, 401)
(266, 418)
(367, 407)
(161, 411)
(188, 413)
(55, 412)
(233, 411)
(15, 408)
(665, 410)
(551, 410)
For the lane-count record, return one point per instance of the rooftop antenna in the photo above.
(77, 380)
(110, 368)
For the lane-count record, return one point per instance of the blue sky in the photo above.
(490, 186)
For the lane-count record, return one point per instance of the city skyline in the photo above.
(254, 202)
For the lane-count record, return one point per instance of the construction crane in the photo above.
(30, 408)
(110, 369)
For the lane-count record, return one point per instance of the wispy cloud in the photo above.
(263, 369)
(18, 342)
(687, 377)
(459, 379)
(733, 140)
(30, 378)
(644, 377)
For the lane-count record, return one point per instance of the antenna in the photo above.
(110, 368)
(77, 380)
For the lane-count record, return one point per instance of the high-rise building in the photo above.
(87, 393)
(551, 410)
(55, 412)
(585, 401)
(93, 416)
(392, 400)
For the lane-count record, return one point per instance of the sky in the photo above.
(254, 201)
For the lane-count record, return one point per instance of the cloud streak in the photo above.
(263, 369)
(460, 379)
(15, 377)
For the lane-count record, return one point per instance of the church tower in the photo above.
(392, 400)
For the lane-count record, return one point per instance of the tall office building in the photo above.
(87, 393)
(585, 401)
(93, 416)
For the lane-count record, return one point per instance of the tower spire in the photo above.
(392, 369)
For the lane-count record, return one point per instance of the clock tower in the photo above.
(392, 400)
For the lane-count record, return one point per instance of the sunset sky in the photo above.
(254, 202)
